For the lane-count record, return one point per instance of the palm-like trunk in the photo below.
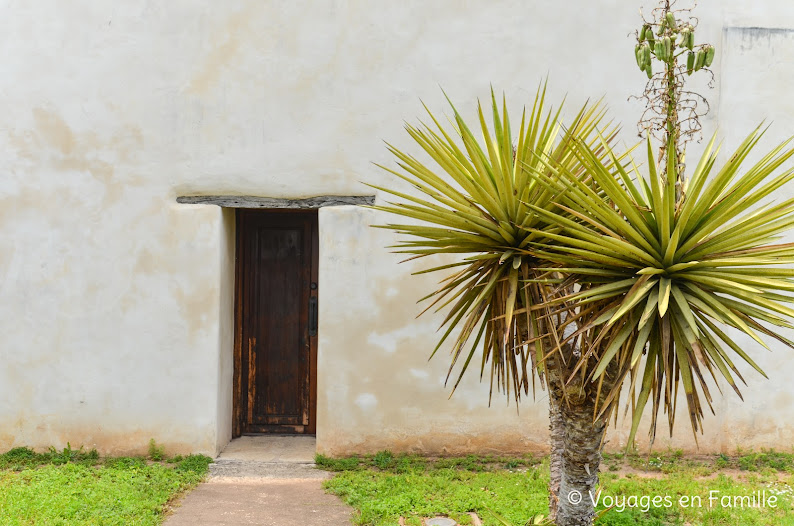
(557, 442)
(554, 381)
(576, 442)
(581, 458)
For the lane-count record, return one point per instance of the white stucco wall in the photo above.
(116, 309)
(376, 389)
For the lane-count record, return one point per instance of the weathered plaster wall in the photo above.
(226, 333)
(376, 389)
(116, 311)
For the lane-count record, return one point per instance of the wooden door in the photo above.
(276, 311)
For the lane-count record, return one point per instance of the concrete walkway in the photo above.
(263, 480)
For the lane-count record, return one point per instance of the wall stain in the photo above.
(147, 263)
(53, 129)
(755, 37)
(52, 143)
(196, 306)
(117, 442)
(226, 46)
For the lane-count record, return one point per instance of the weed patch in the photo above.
(156, 453)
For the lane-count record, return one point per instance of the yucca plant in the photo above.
(668, 276)
(478, 203)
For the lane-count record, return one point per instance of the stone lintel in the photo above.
(248, 201)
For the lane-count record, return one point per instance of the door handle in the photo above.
(313, 316)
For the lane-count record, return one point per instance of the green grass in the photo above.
(384, 487)
(387, 461)
(766, 460)
(78, 487)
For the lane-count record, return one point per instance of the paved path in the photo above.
(240, 491)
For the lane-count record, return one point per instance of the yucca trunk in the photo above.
(576, 443)
(557, 443)
(581, 457)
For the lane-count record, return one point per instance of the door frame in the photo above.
(240, 389)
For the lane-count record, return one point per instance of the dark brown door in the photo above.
(275, 357)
